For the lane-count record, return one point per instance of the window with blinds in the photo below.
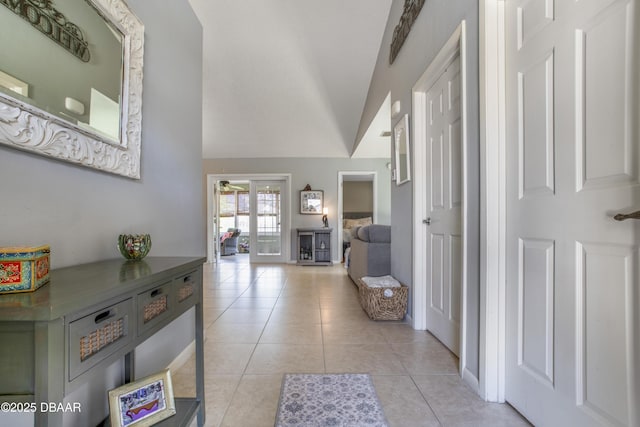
(234, 210)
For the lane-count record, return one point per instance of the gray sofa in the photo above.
(370, 253)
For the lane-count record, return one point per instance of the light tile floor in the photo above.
(262, 321)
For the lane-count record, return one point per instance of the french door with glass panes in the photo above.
(267, 200)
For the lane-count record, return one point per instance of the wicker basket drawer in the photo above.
(383, 303)
(186, 288)
(154, 306)
(96, 336)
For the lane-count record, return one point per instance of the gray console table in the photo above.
(53, 340)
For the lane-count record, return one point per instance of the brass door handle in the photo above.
(622, 217)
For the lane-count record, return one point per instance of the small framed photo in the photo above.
(311, 202)
(143, 402)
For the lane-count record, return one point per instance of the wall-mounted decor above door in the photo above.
(409, 14)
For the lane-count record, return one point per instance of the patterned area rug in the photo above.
(319, 400)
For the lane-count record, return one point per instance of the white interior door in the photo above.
(267, 239)
(443, 206)
(572, 321)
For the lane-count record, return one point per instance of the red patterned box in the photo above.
(23, 269)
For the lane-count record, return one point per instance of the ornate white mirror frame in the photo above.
(29, 128)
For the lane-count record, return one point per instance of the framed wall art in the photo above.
(143, 402)
(311, 202)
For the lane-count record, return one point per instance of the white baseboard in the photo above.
(409, 320)
(182, 358)
(471, 380)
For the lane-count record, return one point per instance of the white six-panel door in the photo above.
(573, 163)
(443, 211)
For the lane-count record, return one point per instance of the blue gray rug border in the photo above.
(383, 422)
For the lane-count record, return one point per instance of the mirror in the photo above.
(72, 87)
(401, 144)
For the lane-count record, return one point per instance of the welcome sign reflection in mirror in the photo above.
(401, 144)
(71, 81)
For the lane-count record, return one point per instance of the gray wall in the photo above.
(435, 24)
(81, 211)
(357, 196)
(320, 174)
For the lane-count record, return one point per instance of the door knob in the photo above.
(427, 221)
(622, 217)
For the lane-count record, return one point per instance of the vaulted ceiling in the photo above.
(288, 78)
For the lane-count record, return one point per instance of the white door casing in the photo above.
(213, 243)
(493, 180)
(214, 237)
(572, 162)
(452, 189)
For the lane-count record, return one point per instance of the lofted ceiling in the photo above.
(288, 78)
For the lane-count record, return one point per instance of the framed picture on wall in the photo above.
(143, 402)
(311, 202)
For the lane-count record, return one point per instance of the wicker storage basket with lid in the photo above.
(383, 303)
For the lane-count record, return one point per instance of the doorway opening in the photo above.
(357, 203)
(248, 218)
(440, 199)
